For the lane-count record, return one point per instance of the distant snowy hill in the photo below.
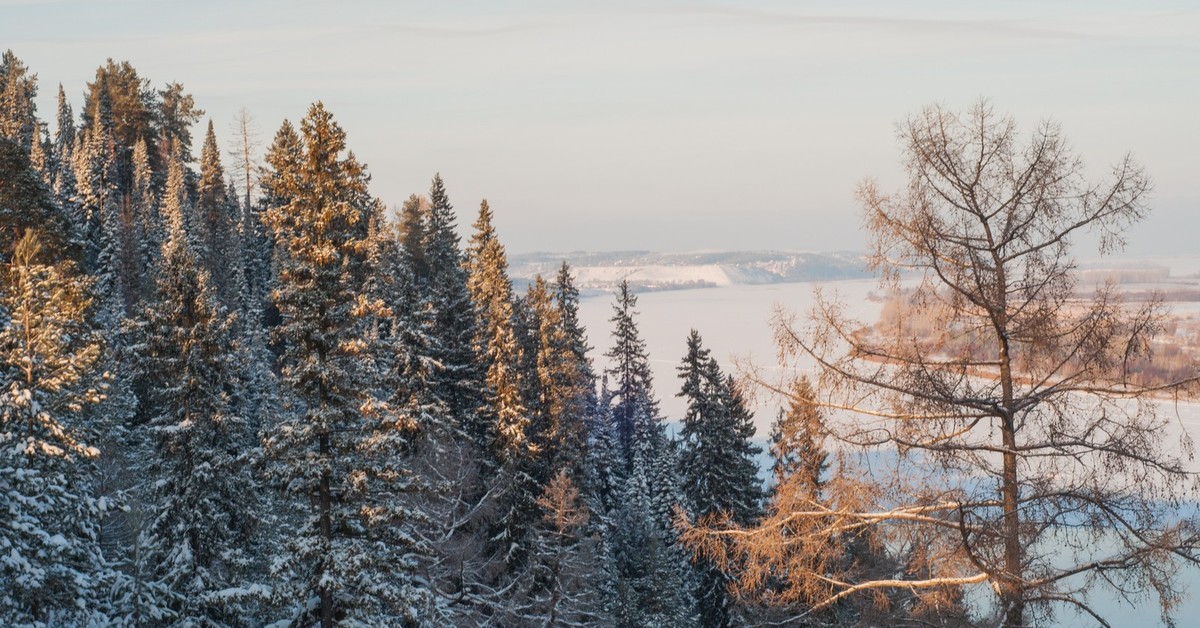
(645, 270)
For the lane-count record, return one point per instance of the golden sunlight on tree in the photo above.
(1012, 448)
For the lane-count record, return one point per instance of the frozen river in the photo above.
(734, 322)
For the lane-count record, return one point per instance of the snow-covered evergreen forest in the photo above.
(239, 390)
(242, 392)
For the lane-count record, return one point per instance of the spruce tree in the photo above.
(606, 470)
(101, 203)
(147, 226)
(716, 465)
(795, 441)
(458, 376)
(136, 232)
(528, 311)
(26, 203)
(582, 422)
(52, 568)
(632, 406)
(18, 108)
(747, 493)
(257, 250)
(414, 225)
(64, 131)
(449, 497)
(99, 194)
(39, 156)
(564, 588)
(349, 556)
(495, 340)
(565, 402)
(655, 584)
(560, 399)
(567, 297)
(278, 181)
(280, 178)
(203, 498)
(65, 190)
(256, 393)
(601, 461)
(549, 374)
(216, 221)
(504, 415)
(405, 342)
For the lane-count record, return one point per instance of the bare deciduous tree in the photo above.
(245, 137)
(1040, 469)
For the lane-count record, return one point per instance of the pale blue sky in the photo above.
(657, 124)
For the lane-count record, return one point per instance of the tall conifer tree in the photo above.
(204, 507)
(458, 376)
(65, 190)
(26, 203)
(654, 578)
(633, 409)
(18, 107)
(335, 450)
(717, 465)
(101, 203)
(143, 201)
(52, 568)
(413, 227)
(495, 341)
(216, 219)
(506, 419)
(796, 440)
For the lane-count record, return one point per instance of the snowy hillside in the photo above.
(646, 271)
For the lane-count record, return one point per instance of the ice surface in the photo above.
(734, 322)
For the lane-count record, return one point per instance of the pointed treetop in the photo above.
(439, 201)
(634, 410)
(282, 159)
(102, 112)
(414, 219)
(797, 439)
(18, 108)
(286, 139)
(37, 156)
(325, 137)
(173, 203)
(64, 132)
(141, 167)
(441, 237)
(210, 153)
(483, 224)
(211, 189)
(692, 370)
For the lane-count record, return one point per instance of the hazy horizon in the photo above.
(661, 125)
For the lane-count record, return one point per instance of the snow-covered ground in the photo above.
(655, 274)
(645, 270)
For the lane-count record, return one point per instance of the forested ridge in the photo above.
(285, 403)
(239, 390)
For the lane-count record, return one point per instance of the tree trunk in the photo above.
(1012, 595)
(1012, 598)
(326, 535)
